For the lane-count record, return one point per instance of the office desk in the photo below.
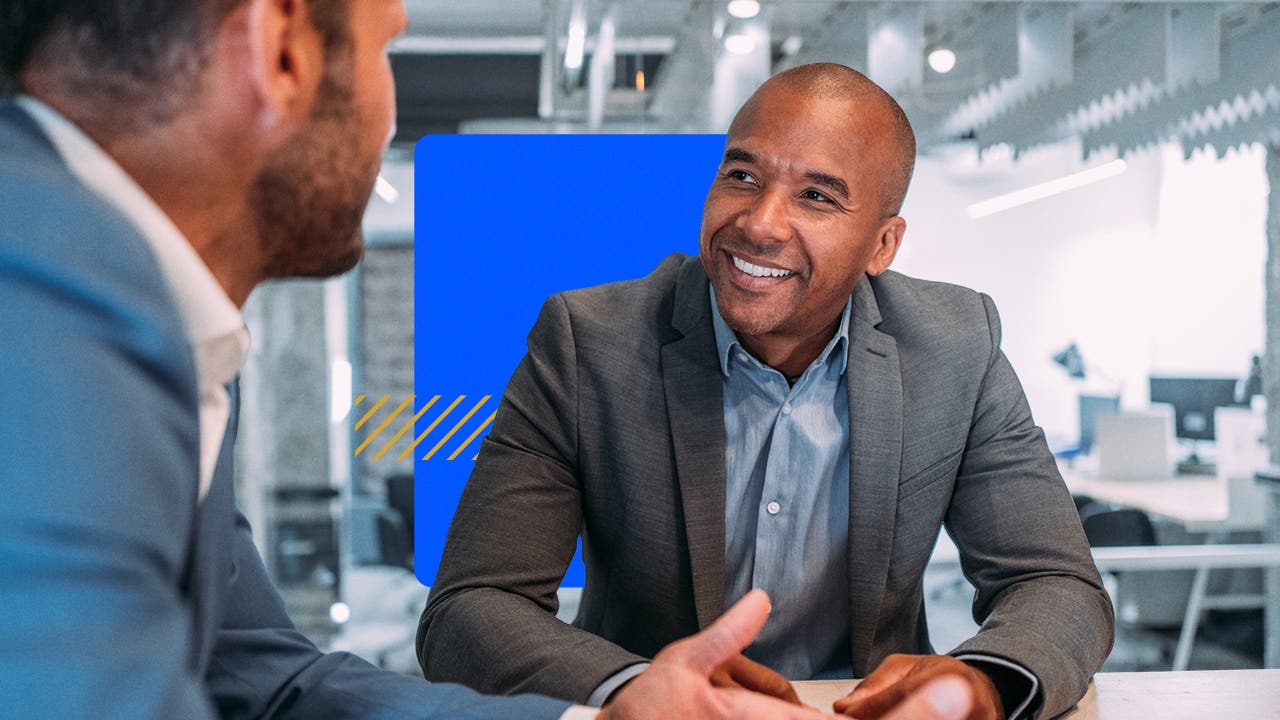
(1200, 504)
(1235, 694)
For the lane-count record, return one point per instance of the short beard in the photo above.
(309, 200)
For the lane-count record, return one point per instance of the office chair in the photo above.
(400, 499)
(393, 540)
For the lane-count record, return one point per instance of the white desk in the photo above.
(1200, 504)
(1235, 694)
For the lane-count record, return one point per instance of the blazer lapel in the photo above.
(695, 409)
(874, 381)
(211, 566)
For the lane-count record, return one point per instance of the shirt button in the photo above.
(786, 408)
(774, 508)
(742, 357)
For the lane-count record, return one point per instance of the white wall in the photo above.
(1159, 269)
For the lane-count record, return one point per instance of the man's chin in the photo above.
(335, 261)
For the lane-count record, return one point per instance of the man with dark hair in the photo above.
(159, 160)
(781, 412)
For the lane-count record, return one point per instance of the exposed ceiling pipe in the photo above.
(600, 80)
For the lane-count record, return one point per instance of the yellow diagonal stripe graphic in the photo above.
(456, 428)
(431, 427)
(405, 429)
(356, 403)
(473, 435)
(407, 401)
(372, 410)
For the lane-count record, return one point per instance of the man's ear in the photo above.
(888, 242)
(284, 56)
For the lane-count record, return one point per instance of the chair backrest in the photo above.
(400, 498)
(1107, 527)
(393, 540)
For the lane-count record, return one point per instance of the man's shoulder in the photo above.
(72, 262)
(910, 304)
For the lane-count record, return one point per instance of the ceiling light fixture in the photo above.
(740, 44)
(1000, 203)
(942, 60)
(744, 8)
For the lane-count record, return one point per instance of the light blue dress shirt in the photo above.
(787, 502)
(787, 512)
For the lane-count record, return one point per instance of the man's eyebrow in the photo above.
(829, 181)
(734, 154)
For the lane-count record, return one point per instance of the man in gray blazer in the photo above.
(160, 159)
(781, 412)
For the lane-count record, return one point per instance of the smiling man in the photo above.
(781, 412)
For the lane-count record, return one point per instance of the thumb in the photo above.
(947, 698)
(729, 635)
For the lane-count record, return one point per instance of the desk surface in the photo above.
(1235, 694)
(1201, 504)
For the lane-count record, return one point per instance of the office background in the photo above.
(1154, 124)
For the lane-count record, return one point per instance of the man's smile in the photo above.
(755, 275)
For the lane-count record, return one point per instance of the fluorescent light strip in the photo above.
(1000, 203)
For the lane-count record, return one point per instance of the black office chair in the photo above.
(400, 499)
(1111, 527)
(1106, 526)
(1083, 502)
(393, 540)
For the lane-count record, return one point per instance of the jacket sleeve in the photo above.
(263, 668)
(1039, 599)
(490, 620)
(97, 427)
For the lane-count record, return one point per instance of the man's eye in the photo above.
(815, 196)
(742, 175)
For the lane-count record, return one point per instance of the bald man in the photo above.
(780, 412)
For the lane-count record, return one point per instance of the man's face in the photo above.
(794, 216)
(311, 196)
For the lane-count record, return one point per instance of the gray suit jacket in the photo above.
(613, 427)
(124, 597)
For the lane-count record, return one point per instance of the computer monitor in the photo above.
(1193, 401)
(1091, 406)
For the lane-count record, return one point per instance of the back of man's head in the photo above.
(140, 58)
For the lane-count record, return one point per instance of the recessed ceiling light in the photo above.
(942, 60)
(740, 44)
(744, 8)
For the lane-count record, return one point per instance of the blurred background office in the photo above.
(1100, 169)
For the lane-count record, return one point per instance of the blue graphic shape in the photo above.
(502, 222)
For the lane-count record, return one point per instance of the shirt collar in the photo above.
(727, 340)
(214, 325)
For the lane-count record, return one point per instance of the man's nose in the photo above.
(767, 219)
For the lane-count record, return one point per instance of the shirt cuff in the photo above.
(580, 712)
(1033, 683)
(611, 684)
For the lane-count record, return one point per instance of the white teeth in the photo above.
(758, 271)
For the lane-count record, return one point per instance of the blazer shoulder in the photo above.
(937, 315)
(72, 259)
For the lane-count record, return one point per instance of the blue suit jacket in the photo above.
(122, 595)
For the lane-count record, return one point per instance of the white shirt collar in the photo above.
(214, 325)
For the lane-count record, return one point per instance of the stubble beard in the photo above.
(309, 200)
